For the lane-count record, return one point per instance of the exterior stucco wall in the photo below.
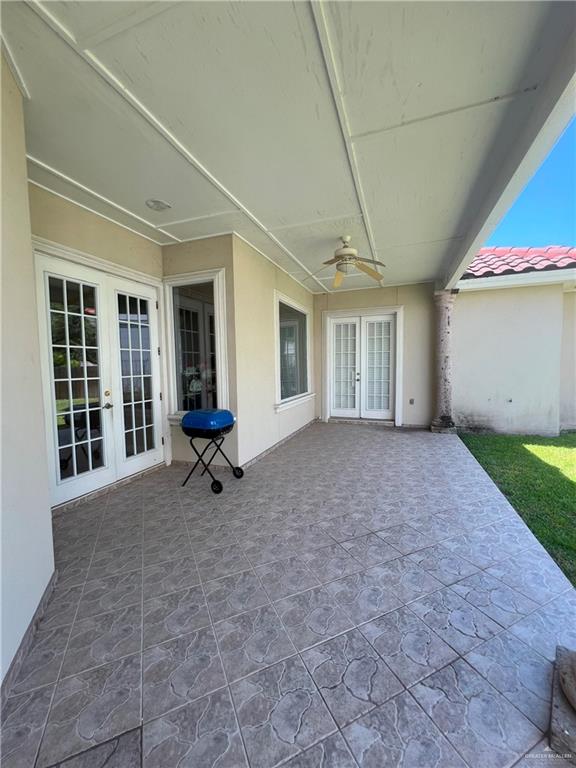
(506, 359)
(26, 524)
(65, 223)
(417, 374)
(255, 281)
(568, 363)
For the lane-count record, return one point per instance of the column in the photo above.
(443, 421)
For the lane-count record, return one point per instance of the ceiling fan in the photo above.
(346, 259)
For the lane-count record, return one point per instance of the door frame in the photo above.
(43, 249)
(327, 317)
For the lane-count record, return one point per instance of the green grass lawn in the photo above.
(538, 476)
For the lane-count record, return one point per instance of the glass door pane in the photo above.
(345, 368)
(136, 373)
(76, 376)
(377, 354)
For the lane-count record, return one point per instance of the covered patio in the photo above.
(363, 596)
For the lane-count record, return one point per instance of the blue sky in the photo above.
(545, 211)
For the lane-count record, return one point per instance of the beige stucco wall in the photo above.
(65, 223)
(506, 359)
(27, 553)
(568, 363)
(255, 281)
(418, 340)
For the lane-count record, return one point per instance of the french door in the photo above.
(362, 352)
(100, 374)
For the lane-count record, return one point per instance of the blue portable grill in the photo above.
(211, 424)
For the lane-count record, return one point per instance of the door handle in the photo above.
(108, 406)
(357, 377)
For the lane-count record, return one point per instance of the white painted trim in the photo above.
(293, 402)
(218, 278)
(526, 280)
(50, 248)
(327, 317)
(97, 213)
(281, 297)
(14, 68)
(97, 195)
(323, 31)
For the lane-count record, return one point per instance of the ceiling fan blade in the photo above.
(368, 270)
(371, 261)
(338, 278)
(334, 260)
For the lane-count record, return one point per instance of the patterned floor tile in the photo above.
(252, 641)
(268, 548)
(61, 608)
(168, 548)
(405, 538)
(399, 735)
(180, 671)
(495, 599)
(307, 538)
(363, 596)
(343, 528)
(519, 673)
(286, 577)
(311, 617)
(43, 661)
(350, 675)
(549, 626)
(533, 573)
(170, 576)
(209, 538)
(222, 561)
(203, 733)
(103, 638)
(479, 722)
(113, 561)
(457, 622)
(405, 579)
(370, 550)
(122, 752)
(443, 564)
(542, 754)
(479, 552)
(329, 753)
(73, 571)
(280, 713)
(23, 721)
(409, 647)
(173, 615)
(118, 591)
(90, 708)
(331, 562)
(234, 594)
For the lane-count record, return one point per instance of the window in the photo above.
(195, 346)
(293, 351)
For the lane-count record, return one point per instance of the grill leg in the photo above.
(199, 460)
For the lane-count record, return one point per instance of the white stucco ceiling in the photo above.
(288, 123)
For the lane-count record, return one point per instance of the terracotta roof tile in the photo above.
(491, 262)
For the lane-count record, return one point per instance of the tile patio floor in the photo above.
(362, 597)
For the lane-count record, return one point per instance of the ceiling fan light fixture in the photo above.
(345, 266)
(157, 205)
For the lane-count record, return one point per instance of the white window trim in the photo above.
(218, 278)
(327, 316)
(289, 402)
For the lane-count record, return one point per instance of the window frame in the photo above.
(218, 279)
(281, 403)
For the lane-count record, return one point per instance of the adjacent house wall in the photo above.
(506, 359)
(197, 256)
(418, 307)
(255, 281)
(568, 363)
(65, 223)
(27, 552)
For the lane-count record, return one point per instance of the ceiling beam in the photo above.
(336, 88)
(552, 113)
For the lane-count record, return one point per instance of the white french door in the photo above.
(100, 374)
(362, 357)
